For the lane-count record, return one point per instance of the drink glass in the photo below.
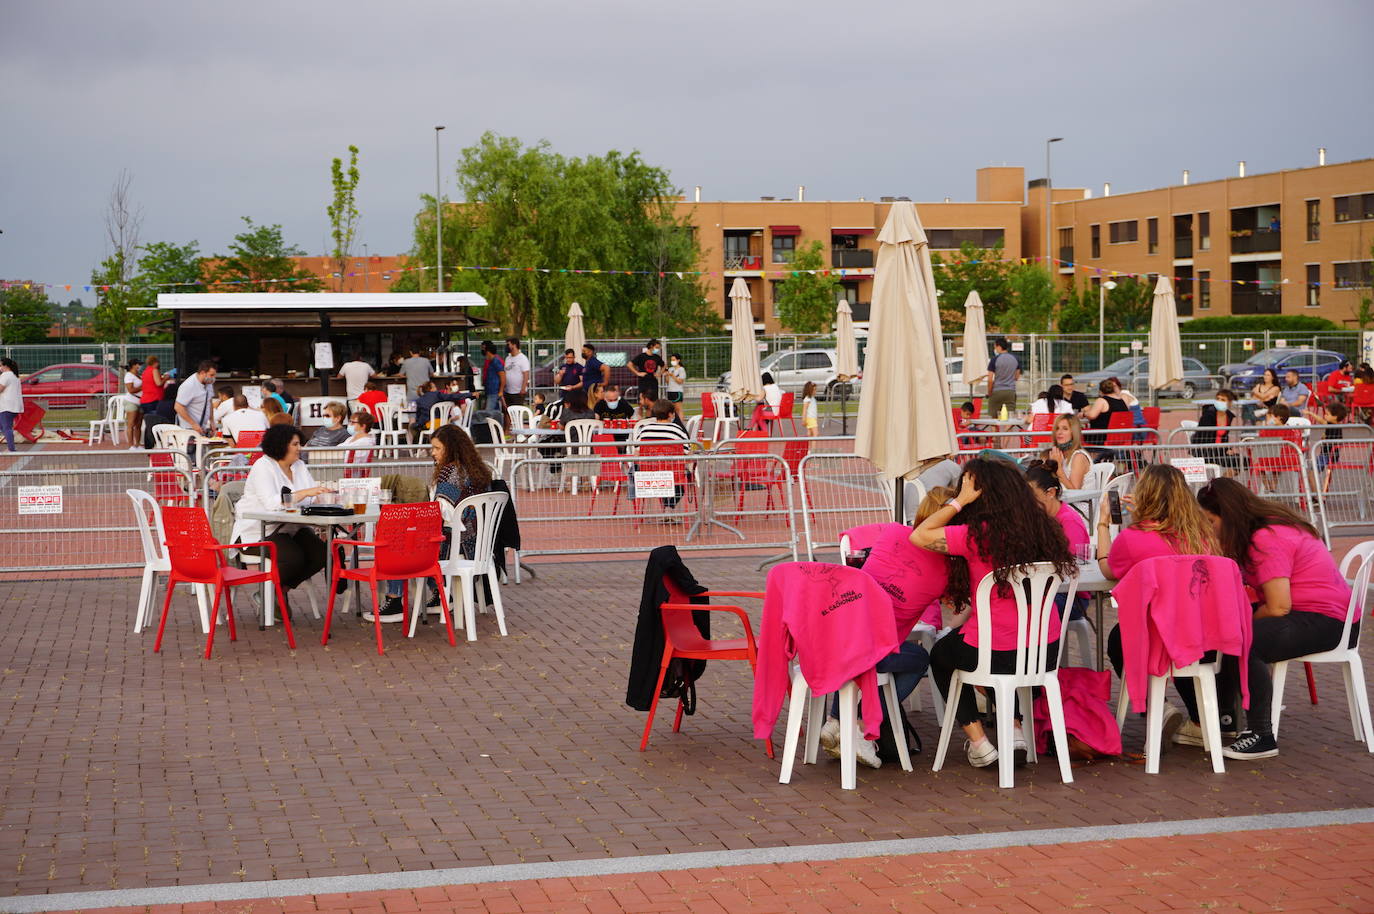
(1083, 553)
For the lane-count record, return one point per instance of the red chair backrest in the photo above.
(1323, 391)
(404, 534)
(1042, 422)
(678, 467)
(785, 406)
(977, 407)
(188, 543)
(1363, 397)
(708, 407)
(249, 438)
(792, 454)
(1151, 414)
(1287, 434)
(958, 416)
(679, 627)
(167, 485)
(1119, 421)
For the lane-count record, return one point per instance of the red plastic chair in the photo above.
(1115, 438)
(1322, 393)
(747, 469)
(196, 558)
(1040, 422)
(1151, 414)
(682, 639)
(1363, 399)
(784, 411)
(250, 438)
(1286, 459)
(612, 470)
(708, 407)
(661, 455)
(407, 546)
(977, 407)
(169, 486)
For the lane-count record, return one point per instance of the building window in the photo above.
(774, 286)
(1354, 207)
(849, 291)
(1204, 290)
(1204, 231)
(1314, 285)
(1097, 241)
(1123, 232)
(1314, 220)
(1066, 245)
(1152, 236)
(953, 239)
(1352, 274)
(784, 248)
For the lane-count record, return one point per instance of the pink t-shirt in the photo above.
(1075, 527)
(1133, 546)
(1002, 607)
(913, 577)
(1314, 580)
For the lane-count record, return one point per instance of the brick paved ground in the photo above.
(1235, 872)
(120, 768)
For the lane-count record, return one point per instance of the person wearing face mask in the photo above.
(612, 405)
(360, 428)
(674, 378)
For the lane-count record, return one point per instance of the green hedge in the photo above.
(1258, 323)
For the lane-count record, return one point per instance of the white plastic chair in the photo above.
(113, 420)
(579, 432)
(802, 698)
(1204, 676)
(168, 437)
(464, 420)
(154, 540)
(489, 507)
(439, 415)
(389, 430)
(1344, 653)
(1034, 611)
(506, 457)
(727, 417)
(520, 416)
(694, 428)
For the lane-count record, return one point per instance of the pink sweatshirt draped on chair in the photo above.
(1173, 609)
(837, 622)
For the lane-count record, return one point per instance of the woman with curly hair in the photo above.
(1303, 596)
(1165, 520)
(1001, 529)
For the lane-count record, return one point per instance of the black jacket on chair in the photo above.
(508, 532)
(647, 655)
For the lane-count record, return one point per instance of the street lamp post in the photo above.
(1049, 202)
(1102, 291)
(438, 218)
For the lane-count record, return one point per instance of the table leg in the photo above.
(1101, 634)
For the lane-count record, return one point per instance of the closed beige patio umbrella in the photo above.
(1166, 349)
(904, 412)
(575, 337)
(846, 357)
(975, 340)
(746, 382)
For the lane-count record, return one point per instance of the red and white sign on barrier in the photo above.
(40, 499)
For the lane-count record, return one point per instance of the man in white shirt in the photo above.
(194, 410)
(243, 418)
(355, 374)
(224, 402)
(517, 373)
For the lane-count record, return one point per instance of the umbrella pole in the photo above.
(898, 499)
(844, 408)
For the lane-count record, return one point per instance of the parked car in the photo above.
(1134, 374)
(959, 389)
(77, 382)
(793, 368)
(1312, 365)
(617, 357)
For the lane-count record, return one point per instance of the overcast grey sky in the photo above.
(234, 109)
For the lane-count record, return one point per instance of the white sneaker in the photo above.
(981, 755)
(830, 738)
(1188, 734)
(1174, 719)
(866, 750)
(1020, 753)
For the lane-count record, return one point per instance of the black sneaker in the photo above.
(391, 611)
(1251, 745)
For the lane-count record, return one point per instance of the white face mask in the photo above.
(613, 403)
(357, 430)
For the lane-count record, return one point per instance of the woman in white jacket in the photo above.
(278, 480)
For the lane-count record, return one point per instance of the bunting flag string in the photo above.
(841, 274)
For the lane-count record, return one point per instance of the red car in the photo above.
(79, 382)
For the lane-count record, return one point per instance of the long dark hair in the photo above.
(459, 450)
(1007, 526)
(1243, 514)
(1052, 397)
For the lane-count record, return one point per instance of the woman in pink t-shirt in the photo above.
(1303, 598)
(1165, 520)
(1001, 528)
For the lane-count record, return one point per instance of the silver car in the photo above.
(1134, 374)
(792, 369)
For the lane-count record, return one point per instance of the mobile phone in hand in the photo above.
(1114, 505)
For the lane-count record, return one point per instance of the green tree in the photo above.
(25, 314)
(163, 267)
(259, 260)
(568, 228)
(806, 299)
(343, 212)
(1129, 305)
(1031, 299)
(972, 268)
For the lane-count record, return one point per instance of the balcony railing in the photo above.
(1066, 254)
(849, 258)
(744, 262)
(1255, 241)
(1183, 246)
(1256, 301)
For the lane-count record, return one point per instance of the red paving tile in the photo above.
(1237, 871)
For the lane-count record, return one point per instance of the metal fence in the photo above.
(67, 510)
(839, 491)
(111, 355)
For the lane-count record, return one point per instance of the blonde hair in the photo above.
(1075, 433)
(1165, 505)
(933, 501)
